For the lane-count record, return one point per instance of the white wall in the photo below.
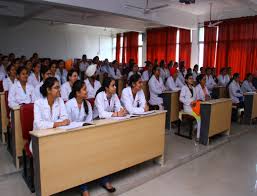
(56, 41)
(195, 48)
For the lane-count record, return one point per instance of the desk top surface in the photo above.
(216, 101)
(101, 122)
(171, 91)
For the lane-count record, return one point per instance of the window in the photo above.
(114, 48)
(177, 47)
(201, 46)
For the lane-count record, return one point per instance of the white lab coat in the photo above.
(38, 94)
(7, 83)
(195, 74)
(179, 83)
(132, 73)
(2, 73)
(156, 87)
(17, 95)
(223, 80)
(113, 75)
(247, 87)
(164, 74)
(199, 92)
(105, 108)
(132, 105)
(83, 66)
(33, 80)
(235, 91)
(181, 77)
(62, 76)
(58, 78)
(44, 118)
(146, 76)
(210, 83)
(105, 68)
(65, 91)
(78, 115)
(187, 98)
(171, 85)
(91, 91)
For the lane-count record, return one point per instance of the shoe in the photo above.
(111, 190)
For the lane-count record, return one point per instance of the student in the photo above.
(72, 77)
(17, 63)
(92, 84)
(133, 97)
(21, 92)
(195, 71)
(11, 79)
(247, 85)
(223, 78)
(34, 78)
(84, 64)
(133, 70)
(181, 73)
(210, 83)
(107, 103)
(50, 111)
(3, 67)
(114, 71)
(45, 73)
(28, 65)
(78, 108)
(188, 98)
(62, 72)
(156, 87)
(164, 72)
(148, 72)
(53, 71)
(173, 83)
(235, 92)
(202, 92)
(105, 67)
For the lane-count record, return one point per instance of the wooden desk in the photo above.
(171, 104)
(65, 159)
(215, 118)
(220, 92)
(120, 86)
(17, 139)
(146, 90)
(4, 120)
(250, 111)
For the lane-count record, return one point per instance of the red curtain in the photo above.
(161, 44)
(185, 46)
(209, 46)
(118, 47)
(130, 47)
(237, 45)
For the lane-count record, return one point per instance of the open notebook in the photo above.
(74, 125)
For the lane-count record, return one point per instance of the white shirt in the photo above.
(235, 91)
(179, 83)
(132, 73)
(91, 91)
(63, 76)
(103, 107)
(78, 115)
(186, 98)
(247, 87)
(164, 73)
(65, 91)
(181, 77)
(2, 72)
(132, 105)
(171, 85)
(38, 94)
(146, 76)
(58, 78)
(17, 95)
(156, 87)
(200, 93)
(223, 80)
(44, 118)
(195, 74)
(83, 66)
(7, 83)
(113, 75)
(33, 80)
(210, 83)
(105, 68)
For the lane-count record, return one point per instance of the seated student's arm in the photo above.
(183, 98)
(129, 104)
(152, 88)
(69, 110)
(235, 92)
(12, 98)
(63, 111)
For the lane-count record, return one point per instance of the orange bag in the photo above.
(196, 108)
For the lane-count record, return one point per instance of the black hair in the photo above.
(133, 79)
(199, 78)
(236, 75)
(20, 69)
(70, 73)
(3, 57)
(35, 64)
(95, 58)
(196, 66)
(115, 61)
(77, 86)
(155, 68)
(61, 61)
(106, 83)
(189, 70)
(43, 70)
(188, 75)
(162, 63)
(222, 69)
(186, 78)
(9, 67)
(247, 76)
(49, 83)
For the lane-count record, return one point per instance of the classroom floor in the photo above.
(226, 167)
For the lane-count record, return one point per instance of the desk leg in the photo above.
(227, 133)
(160, 160)
(3, 136)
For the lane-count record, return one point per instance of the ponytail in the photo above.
(106, 83)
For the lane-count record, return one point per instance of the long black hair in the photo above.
(43, 70)
(106, 83)
(77, 86)
(133, 79)
(199, 78)
(20, 69)
(247, 76)
(70, 73)
(235, 76)
(49, 83)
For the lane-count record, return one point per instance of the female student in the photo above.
(114, 71)
(21, 92)
(156, 88)
(91, 83)
(62, 72)
(247, 85)
(133, 97)
(210, 81)
(133, 70)
(107, 103)
(164, 71)
(235, 92)
(45, 73)
(202, 92)
(11, 79)
(34, 78)
(72, 77)
(188, 98)
(53, 71)
(148, 72)
(223, 78)
(173, 82)
(50, 111)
